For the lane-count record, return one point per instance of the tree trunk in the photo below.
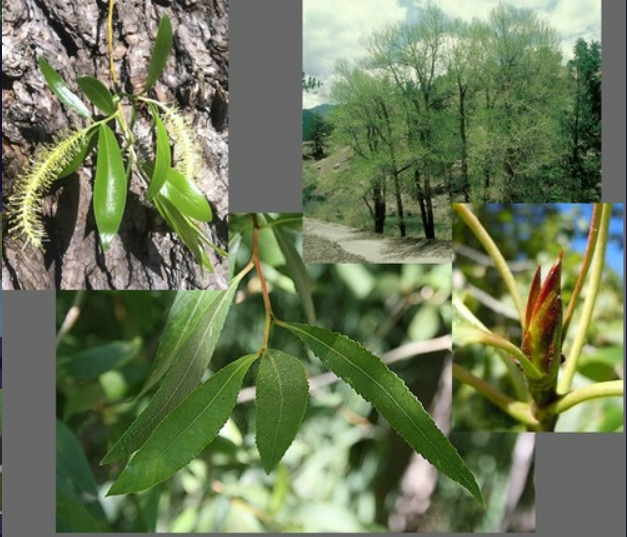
(72, 36)
(399, 206)
(380, 210)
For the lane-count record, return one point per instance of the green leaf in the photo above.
(374, 381)
(183, 193)
(60, 88)
(186, 431)
(87, 145)
(190, 363)
(287, 220)
(298, 272)
(97, 93)
(72, 466)
(91, 363)
(281, 401)
(160, 52)
(110, 187)
(163, 160)
(73, 516)
(186, 311)
(186, 230)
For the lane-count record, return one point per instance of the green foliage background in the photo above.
(344, 469)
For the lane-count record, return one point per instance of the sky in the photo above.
(614, 251)
(332, 29)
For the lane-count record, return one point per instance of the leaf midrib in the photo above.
(280, 384)
(201, 413)
(177, 386)
(389, 396)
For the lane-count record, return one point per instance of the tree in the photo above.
(147, 255)
(584, 163)
(318, 133)
(310, 83)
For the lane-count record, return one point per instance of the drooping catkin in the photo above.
(44, 168)
(187, 150)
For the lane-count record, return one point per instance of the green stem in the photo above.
(147, 100)
(264, 287)
(518, 410)
(494, 340)
(98, 123)
(517, 379)
(493, 251)
(596, 273)
(612, 388)
(587, 259)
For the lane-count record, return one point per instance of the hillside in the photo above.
(331, 194)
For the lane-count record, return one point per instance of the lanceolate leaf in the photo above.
(281, 401)
(160, 52)
(298, 272)
(163, 159)
(87, 145)
(72, 466)
(60, 88)
(97, 93)
(186, 196)
(376, 383)
(189, 365)
(186, 311)
(186, 431)
(110, 187)
(186, 230)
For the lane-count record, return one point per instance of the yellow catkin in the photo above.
(187, 150)
(26, 202)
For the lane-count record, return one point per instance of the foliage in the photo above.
(576, 350)
(170, 177)
(384, 306)
(485, 111)
(317, 131)
(310, 83)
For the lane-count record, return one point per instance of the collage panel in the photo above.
(115, 145)
(411, 106)
(538, 331)
(325, 422)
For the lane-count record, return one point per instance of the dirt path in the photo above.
(321, 239)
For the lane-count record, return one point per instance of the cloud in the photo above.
(570, 18)
(332, 29)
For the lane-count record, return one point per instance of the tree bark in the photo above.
(72, 36)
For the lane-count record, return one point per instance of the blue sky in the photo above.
(332, 29)
(614, 253)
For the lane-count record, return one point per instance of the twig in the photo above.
(499, 261)
(71, 317)
(612, 388)
(587, 260)
(598, 261)
(486, 260)
(516, 409)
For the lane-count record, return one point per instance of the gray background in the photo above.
(580, 478)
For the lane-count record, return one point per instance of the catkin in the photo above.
(44, 168)
(187, 150)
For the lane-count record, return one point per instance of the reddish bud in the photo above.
(543, 328)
